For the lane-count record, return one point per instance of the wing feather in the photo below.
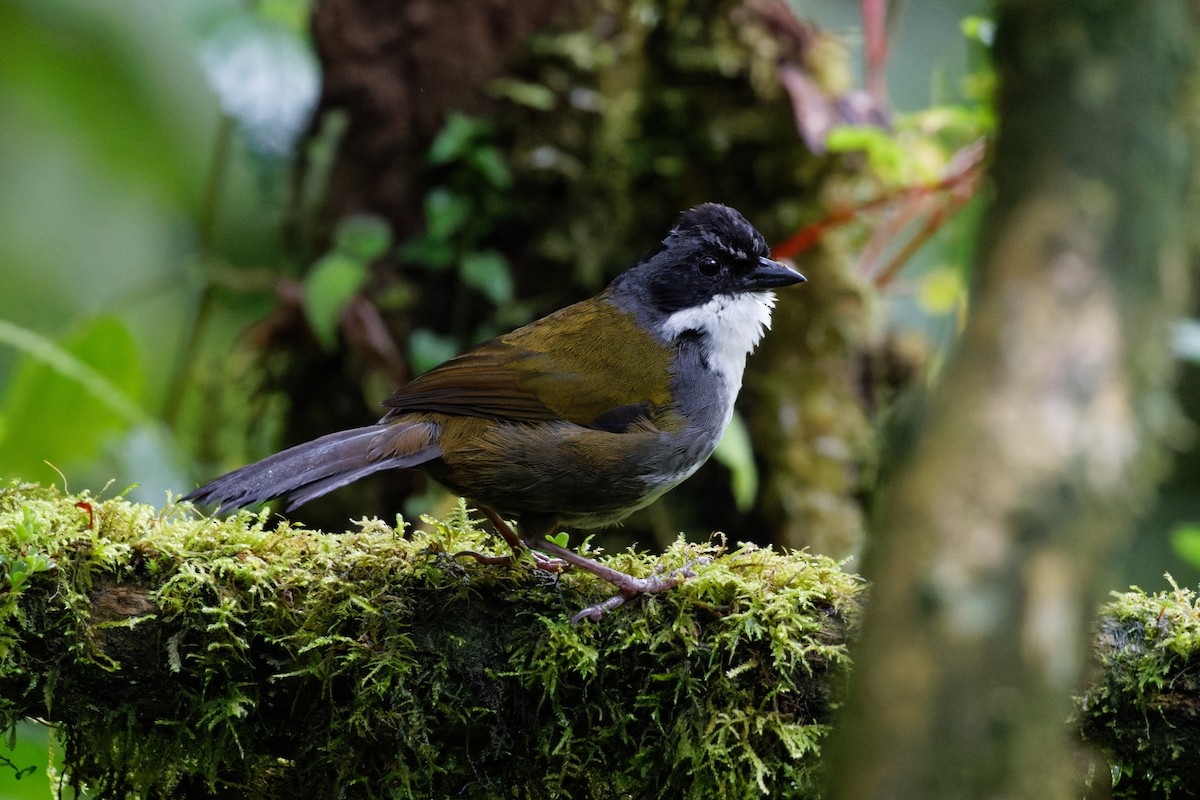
(553, 369)
(482, 382)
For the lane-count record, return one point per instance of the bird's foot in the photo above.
(597, 611)
(548, 563)
(627, 585)
(631, 587)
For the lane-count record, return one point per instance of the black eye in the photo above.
(708, 267)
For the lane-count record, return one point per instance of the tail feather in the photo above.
(309, 470)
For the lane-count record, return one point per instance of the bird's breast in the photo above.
(583, 476)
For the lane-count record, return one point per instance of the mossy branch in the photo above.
(186, 656)
(1143, 705)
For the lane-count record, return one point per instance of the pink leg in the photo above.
(543, 562)
(627, 585)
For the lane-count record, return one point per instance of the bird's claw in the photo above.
(594, 613)
(630, 587)
(548, 564)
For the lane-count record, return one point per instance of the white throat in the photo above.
(734, 323)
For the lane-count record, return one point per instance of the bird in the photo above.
(575, 420)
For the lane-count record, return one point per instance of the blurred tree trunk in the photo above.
(1035, 451)
(396, 69)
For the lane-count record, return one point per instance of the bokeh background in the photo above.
(226, 227)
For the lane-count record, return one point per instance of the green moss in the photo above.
(240, 657)
(1142, 708)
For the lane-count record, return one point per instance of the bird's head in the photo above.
(712, 275)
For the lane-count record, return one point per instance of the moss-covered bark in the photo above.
(182, 656)
(1142, 707)
(185, 656)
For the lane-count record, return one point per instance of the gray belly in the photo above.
(584, 477)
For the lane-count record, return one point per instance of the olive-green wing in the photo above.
(589, 363)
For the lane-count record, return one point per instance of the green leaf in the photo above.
(363, 237)
(427, 349)
(562, 538)
(1185, 541)
(981, 29)
(65, 400)
(329, 287)
(487, 271)
(40, 562)
(941, 291)
(489, 162)
(445, 213)
(735, 452)
(531, 95)
(886, 153)
(30, 528)
(456, 138)
(847, 138)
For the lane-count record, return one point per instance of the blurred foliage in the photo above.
(135, 221)
(23, 774)
(1185, 541)
(917, 152)
(47, 398)
(339, 275)
(472, 196)
(736, 453)
(124, 200)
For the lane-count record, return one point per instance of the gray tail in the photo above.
(309, 470)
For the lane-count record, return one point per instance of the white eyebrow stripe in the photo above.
(714, 240)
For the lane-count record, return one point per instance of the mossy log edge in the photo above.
(178, 655)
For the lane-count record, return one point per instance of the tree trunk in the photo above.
(1039, 444)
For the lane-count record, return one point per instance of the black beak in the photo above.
(770, 274)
